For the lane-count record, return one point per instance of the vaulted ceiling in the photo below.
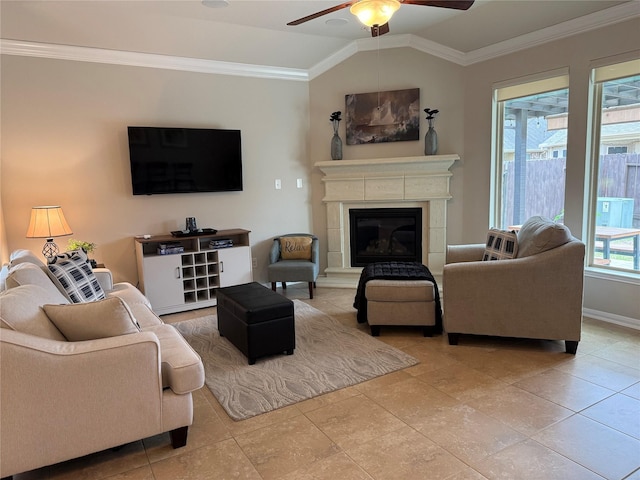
(255, 31)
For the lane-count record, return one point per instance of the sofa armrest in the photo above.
(104, 277)
(53, 390)
(472, 252)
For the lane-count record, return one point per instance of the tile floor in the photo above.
(485, 409)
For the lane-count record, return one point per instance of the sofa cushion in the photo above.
(76, 277)
(20, 310)
(27, 273)
(137, 302)
(295, 248)
(500, 245)
(539, 234)
(22, 255)
(182, 368)
(88, 321)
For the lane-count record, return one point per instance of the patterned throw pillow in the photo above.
(76, 277)
(295, 248)
(501, 244)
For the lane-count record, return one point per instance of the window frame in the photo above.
(599, 75)
(542, 82)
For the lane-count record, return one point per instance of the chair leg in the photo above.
(179, 437)
(453, 338)
(284, 285)
(571, 346)
(273, 286)
(311, 290)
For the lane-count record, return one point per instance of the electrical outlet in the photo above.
(299, 183)
(278, 184)
(254, 262)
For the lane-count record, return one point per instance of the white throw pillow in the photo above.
(87, 321)
(539, 234)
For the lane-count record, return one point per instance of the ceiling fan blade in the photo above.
(378, 30)
(456, 4)
(323, 12)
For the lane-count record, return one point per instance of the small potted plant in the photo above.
(87, 247)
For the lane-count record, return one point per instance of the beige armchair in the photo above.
(538, 294)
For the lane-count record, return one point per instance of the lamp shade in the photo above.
(47, 222)
(374, 12)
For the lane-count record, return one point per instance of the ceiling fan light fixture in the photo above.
(374, 12)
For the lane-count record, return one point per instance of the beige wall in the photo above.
(64, 141)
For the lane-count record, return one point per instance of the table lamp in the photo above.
(48, 222)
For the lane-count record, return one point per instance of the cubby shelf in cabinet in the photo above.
(189, 280)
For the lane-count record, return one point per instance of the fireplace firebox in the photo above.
(385, 234)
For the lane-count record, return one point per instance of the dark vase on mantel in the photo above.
(431, 140)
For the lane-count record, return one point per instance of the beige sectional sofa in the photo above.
(61, 399)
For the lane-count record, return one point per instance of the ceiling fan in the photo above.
(376, 13)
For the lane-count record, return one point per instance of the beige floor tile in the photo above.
(142, 473)
(102, 464)
(405, 455)
(290, 445)
(411, 400)
(221, 461)
(354, 421)
(600, 371)
(521, 410)
(335, 467)
(564, 389)
(462, 382)
(633, 391)
(624, 352)
(620, 412)
(327, 399)
(597, 447)
(467, 473)
(529, 460)
(467, 433)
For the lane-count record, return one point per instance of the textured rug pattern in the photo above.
(328, 356)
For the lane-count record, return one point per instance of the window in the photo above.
(530, 150)
(614, 213)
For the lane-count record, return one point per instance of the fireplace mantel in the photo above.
(385, 182)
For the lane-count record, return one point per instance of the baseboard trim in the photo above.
(623, 321)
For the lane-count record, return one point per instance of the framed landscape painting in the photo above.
(378, 117)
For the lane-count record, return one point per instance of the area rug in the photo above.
(328, 356)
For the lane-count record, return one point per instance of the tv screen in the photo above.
(184, 160)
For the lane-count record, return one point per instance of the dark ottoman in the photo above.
(256, 320)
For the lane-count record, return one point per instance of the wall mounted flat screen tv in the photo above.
(184, 160)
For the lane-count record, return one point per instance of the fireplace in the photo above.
(420, 183)
(385, 234)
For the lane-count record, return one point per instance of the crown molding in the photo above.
(150, 60)
(610, 16)
(603, 18)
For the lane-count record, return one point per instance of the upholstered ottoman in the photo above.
(256, 320)
(401, 302)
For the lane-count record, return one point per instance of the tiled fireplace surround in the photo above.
(385, 183)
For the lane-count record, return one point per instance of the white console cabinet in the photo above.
(188, 280)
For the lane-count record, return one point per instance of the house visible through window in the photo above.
(530, 158)
(614, 213)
